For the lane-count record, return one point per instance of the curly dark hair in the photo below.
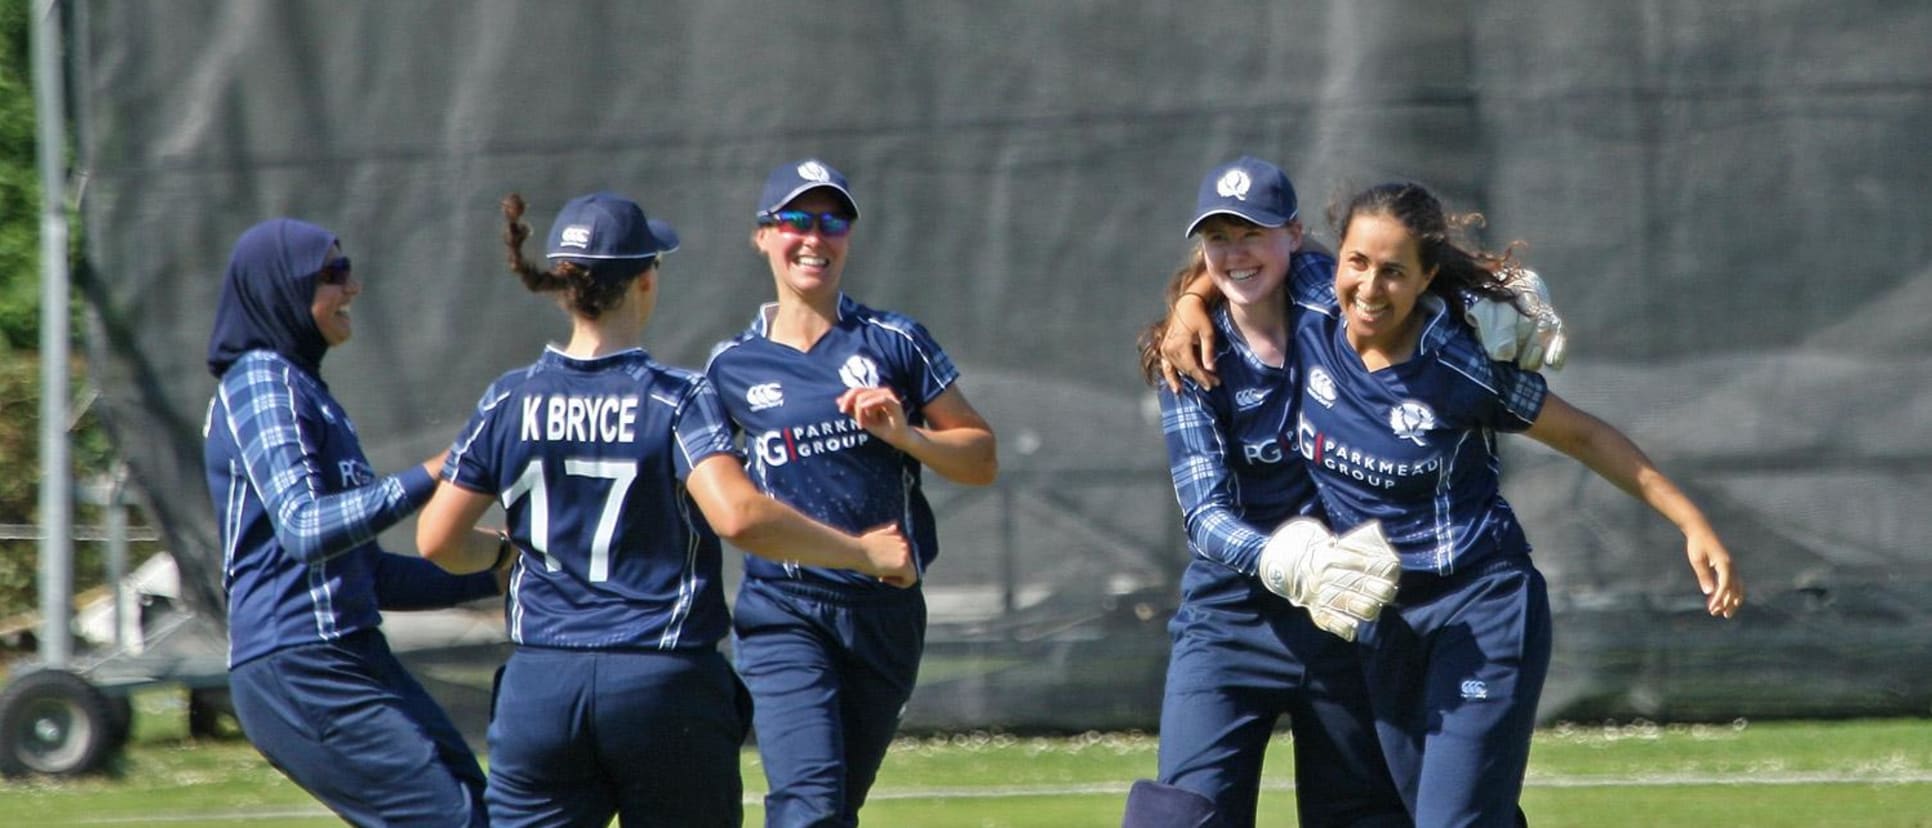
(586, 292)
(1459, 269)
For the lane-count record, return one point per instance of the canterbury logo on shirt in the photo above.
(765, 395)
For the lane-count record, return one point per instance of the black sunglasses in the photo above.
(334, 272)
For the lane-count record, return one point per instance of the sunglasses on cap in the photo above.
(831, 225)
(334, 271)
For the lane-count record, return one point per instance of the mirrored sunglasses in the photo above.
(830, 225)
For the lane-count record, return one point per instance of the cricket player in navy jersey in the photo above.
(1397, 420)
(1242, 655)
(840, 407)
(313, 681)
(617, 475)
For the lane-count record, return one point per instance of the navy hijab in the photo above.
(267, 295)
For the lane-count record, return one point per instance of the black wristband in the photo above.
(504, 549)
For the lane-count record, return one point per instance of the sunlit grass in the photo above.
(1853, 773)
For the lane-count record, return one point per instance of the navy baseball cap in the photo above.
(607, 227)
(791, 180)
(1249, 188)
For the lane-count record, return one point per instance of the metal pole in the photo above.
(1009, 549)
(56, 495)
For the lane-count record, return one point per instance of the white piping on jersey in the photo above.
(906, 478)
(677, 413)
(232, 506)
(464, 442)
(911, 340)
(762, 323)
(516, 602)
(762, 326)
(1445, 526)
(235, 501)
(688, 584)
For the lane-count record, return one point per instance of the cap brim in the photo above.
(666, 235)
(800, 190)
(1264, 218)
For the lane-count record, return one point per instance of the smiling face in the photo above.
(1248, 262)
(1378, 279)
(810, 263)
(335, 291)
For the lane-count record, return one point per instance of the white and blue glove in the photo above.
(1342, 582)
(1525, 329)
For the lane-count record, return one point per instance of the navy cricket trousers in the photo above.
(652, 737)
(830, 673)
(344, 720)
(1242, 658)
(1456, 666)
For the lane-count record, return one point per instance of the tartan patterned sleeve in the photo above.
(1311, 281)
(260, 394)
(1197, 459)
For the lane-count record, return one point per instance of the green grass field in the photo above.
(1859, 773)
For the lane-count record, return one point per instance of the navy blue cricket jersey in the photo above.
(300, 509)
(1412, 445)
(589, 458)
(804, 452)
(1233, 478)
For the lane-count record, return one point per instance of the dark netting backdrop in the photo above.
(1729, 200)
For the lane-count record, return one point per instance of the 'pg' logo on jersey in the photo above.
(354, 473)
(1259, 453)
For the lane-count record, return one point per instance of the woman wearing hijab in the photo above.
(314, 684)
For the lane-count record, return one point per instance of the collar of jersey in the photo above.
(762, 324)
(1438, 327)
(1232, 340)
(554, 354)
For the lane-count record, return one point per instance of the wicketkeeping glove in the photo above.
(1526, 330)
(1342, 582)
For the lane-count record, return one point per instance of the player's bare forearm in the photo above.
(446, 531)
(754, 522)
(956, 443)
(1615, 458)
(968, 456)
(1187, 337)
